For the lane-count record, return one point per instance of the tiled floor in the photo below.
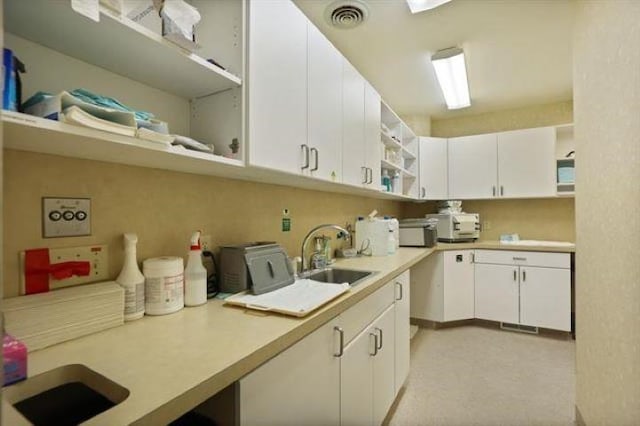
(479, 376)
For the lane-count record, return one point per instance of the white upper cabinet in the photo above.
(473, 167)
(278, 88)
(526, 163)
(433, 169)
(354, 169)
(325, 107)
(372, 135)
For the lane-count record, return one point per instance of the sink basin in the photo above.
(339, 276)
(66, 395)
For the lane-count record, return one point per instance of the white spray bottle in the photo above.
(132, 280)
(195, 275)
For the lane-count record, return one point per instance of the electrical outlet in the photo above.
(97, 256)
(486, 226)
(206, 242)
(66, 217)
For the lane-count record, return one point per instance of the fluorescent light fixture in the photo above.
(417, 6)
(452, 77)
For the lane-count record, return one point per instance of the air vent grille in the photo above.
(346, 14)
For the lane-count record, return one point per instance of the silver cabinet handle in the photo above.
(370, 175)
(515, 275)
(472, 256)
(501, 190)
(375, 344)
(366, 173)
(523, 259)
(305, 148)
(399, 284)
(493, 190)
(313, 150)
(341, 332)
(424, 192)
(379, 330)
(524, 275)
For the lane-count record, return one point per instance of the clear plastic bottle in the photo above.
(132, 280)
(395, 183)
(195, 275)
(391, 247)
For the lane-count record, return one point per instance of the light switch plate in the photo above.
(66, 217)
(97, 255)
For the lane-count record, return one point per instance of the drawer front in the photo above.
(524, 258)
(359, 316)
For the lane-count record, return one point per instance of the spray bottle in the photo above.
(132, 280)
(195, 275)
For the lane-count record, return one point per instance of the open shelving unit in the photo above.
(113, 42)
(565, 144)
(133, 63)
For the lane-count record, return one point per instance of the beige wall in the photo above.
(498, 121)
(543, 219)
(607, 119)
(162, 207)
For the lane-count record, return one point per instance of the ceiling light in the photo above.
(417, 6)
(452, 77)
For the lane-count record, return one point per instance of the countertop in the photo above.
(174, 362)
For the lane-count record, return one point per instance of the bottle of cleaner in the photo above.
(195, 275)
(132, 280)
(391, 243)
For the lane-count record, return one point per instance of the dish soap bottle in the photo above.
(195, 275)
(132, 280)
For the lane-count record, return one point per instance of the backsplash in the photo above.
(162, 207)
(539, 219)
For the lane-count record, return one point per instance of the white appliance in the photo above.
(372, 235)
(457, 227)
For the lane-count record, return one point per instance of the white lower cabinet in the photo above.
(403, 332)
(442, 287)
(525, 288)
(299, 386)
(319, 381)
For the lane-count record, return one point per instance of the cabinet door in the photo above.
(353, 147)
(545, 298)
(384, 365)
(526, 163)
(497, 293)
(433, 169)
(403, 333)
(278, 89)
(427, 288)
(299, 386)
(372, 135)
(473, 167)
(356, 381)
(325, 107)
(458, 285)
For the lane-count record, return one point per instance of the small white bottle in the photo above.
(391, 243)
(132, 280)
(195, 275)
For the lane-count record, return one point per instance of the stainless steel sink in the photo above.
(338, 276)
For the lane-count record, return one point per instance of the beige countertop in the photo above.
(172, 363)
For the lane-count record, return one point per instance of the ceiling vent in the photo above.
(346, 14)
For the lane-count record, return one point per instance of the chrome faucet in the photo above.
(303, 264)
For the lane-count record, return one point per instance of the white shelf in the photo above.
(28, 133)
(408, 154)
(390, 166)
(118, 45)
(566, 184)
(389, 142)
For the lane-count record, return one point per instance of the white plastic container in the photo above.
(163, 285)
(195, 275)
(132, 280)
(391, 243)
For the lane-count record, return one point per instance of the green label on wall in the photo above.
(286, 224)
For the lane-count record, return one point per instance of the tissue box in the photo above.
(14, 360)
